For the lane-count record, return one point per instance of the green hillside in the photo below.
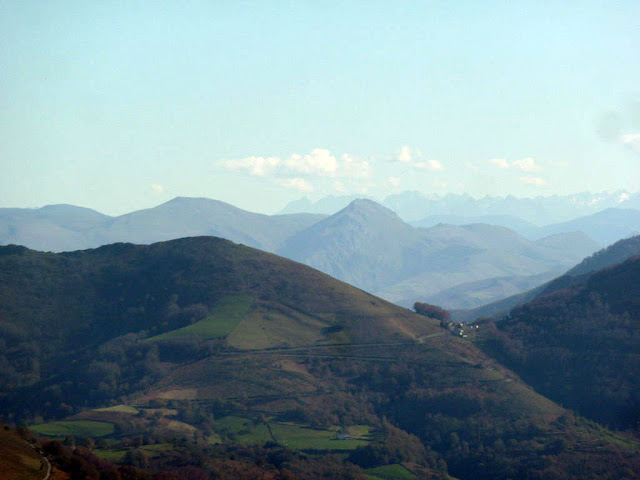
(221, 320)
(206, 343)
(579, 345)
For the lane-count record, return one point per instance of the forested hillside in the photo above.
(578, 344)
(200, 341)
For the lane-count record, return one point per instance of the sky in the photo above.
(122, 105)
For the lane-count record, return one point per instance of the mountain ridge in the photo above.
(413, 206)
(403, 277)
(606, 257)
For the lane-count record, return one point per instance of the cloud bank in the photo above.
(321, 171)
(319, 162)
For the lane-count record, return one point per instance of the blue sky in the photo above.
(122, 105)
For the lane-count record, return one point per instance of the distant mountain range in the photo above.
(66, 227)
(369, 246)
(607, 257)
(418, 208)
(365, 243)
(605, 227)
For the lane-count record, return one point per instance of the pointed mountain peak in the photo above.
(365, 206)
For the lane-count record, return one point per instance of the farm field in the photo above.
(220, 321)
(116, 456)
(119, 409)
(390, 472)
(243, 430)
(292, 435)
(76, 428)
(301, 437)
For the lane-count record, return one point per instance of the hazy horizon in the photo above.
(315, 200)
(119, 107)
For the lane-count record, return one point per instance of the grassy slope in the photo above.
(78, 428)
(18, 461)
(96, 295)
(390, 472)
(292, 435)
(119, 409)
(302, 437)
(221, 320)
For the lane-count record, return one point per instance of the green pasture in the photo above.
(292, 435)
(389, 472)
(301, 437)
(220, 321)
(113, 456)
(119, 409)
(270, 327)
(75, 428)
(243, 430)
(152, 451)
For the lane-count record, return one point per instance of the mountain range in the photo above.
(607, 257)
(605, 227)
(413, 206)
(369, 246)
(365, 244)
(67, 227)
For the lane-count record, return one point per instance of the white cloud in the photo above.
(404, 155)
(623, 197)
(535, 181)
(499, 162)
(319, 162)
(338, 186)
(632, 141)
(394, 181)
(259, 166)
(413, 157)
(299, 184)
(528, 165)
(435, 165)
(157, 188)
(354, 168)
